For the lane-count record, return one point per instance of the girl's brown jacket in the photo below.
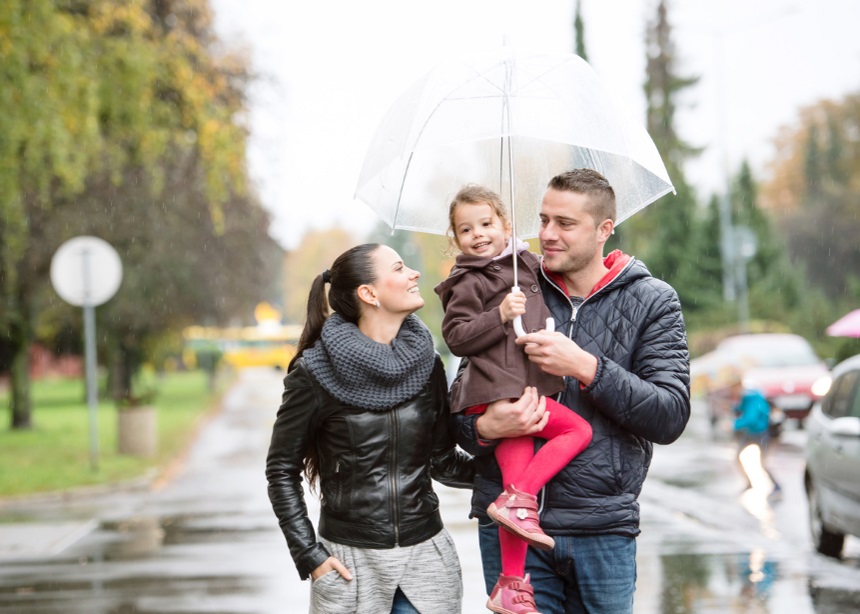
(472, 327)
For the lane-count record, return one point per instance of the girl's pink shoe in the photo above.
(512, 595)
(516, 511)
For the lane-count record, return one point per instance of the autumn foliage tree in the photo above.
(102, 99)
(813, 193)
(316, 252)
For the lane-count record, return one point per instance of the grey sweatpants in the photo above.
(427, 573)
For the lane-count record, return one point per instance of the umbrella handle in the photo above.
(518, 321)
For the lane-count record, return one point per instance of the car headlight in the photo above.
(821, 385)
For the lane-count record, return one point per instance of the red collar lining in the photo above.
(615, 261)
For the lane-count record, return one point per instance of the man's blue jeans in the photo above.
(402, 605)
(581, 575)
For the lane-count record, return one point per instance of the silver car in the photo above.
(832, 474)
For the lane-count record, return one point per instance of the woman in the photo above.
(365, 413)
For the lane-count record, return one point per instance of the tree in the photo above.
(812, 193)
(316, 253)
(773, 286)
(178, 269)
(579, 32)
(746, 213)
(666, 233)
(47, 138)
(96, 87)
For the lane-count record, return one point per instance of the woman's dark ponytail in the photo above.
(316, 317)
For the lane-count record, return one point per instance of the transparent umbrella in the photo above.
(509, 121)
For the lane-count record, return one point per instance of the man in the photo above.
(620, 344)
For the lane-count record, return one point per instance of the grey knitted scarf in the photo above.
(364, 373)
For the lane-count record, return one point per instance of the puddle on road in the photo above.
(749, 582)
(161, 594)
(125, 568)
(141, 536)
(113, 572)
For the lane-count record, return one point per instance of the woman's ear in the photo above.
(366, 294)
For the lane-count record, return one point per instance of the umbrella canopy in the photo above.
(846, 326)
(509, 121)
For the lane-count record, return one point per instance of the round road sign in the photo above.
(86, 271)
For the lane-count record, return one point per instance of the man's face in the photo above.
(570, 239)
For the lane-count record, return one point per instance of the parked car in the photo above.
(783, 366)
(832, 475)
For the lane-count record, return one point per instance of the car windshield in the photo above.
(772, 352)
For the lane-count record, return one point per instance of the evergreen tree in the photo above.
(773, 285)
(666, 233)
(708, 260)
(747, 214)
(813, 166)
(579, 32)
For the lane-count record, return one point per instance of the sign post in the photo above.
(86, 272)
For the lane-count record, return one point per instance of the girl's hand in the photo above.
(513, 305)
(331, 563)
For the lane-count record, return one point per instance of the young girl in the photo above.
(479, 310)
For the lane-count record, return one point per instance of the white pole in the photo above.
(506, 118)
(90, 360)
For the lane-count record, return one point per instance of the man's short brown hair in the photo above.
(601, 204)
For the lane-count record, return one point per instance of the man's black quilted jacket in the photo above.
(640, 396)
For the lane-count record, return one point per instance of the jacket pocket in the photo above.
(633, 461)
(337, 490)
(331, 594)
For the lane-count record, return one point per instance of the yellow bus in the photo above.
(267, 344)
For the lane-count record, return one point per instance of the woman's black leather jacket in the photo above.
(375, 467)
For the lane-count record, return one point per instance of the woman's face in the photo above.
(396, 284)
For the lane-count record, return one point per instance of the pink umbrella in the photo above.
(846, 326)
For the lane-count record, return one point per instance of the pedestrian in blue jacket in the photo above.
(752, 426)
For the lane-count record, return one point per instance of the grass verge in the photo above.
(55, 454)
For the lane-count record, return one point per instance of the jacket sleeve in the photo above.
(652, 400)
(450, 465)
(468, 327)
(284, 465)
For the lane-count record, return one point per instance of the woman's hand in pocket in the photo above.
(331, 563)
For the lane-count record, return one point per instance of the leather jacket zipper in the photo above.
(393, 478)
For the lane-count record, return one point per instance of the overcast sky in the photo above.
(329, 70)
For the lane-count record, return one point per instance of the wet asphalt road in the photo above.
(205, 541)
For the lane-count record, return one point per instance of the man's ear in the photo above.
(605, 230)
(367, 294)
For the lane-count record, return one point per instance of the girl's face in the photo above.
(396, 285)
(478, 230)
